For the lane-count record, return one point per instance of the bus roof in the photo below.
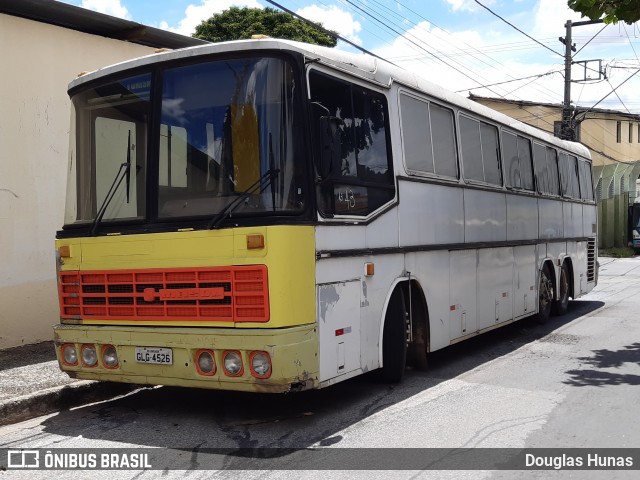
(361, 65)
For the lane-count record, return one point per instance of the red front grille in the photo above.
(230, 294)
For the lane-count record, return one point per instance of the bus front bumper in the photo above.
(293, 353)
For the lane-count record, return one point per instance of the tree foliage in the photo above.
(241, 23)
(611, 11)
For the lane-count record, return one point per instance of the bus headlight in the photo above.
(260, 364)
(205, 362)
(109, 356)
(69, 354)
(232, 361)
(89, 355)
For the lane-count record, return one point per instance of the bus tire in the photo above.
(394, 339)
(545, 296)
(559, 307)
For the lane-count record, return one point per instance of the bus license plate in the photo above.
(159, 356)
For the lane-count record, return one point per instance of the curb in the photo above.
(55, 399)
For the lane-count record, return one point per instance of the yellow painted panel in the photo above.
(293, 352)
(289, 255)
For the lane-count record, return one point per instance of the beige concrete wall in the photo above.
(38, 61)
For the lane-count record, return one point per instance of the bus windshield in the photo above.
(223, 125)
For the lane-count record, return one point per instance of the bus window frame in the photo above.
(382, 90)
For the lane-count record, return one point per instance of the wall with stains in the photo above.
(37, 63)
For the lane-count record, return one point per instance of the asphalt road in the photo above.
(571, 383)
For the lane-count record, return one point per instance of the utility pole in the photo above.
(567, 127)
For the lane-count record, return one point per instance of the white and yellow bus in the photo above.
(271, 216)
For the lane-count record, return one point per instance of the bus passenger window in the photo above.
(416, 135)
(471, 149)
(526, 168)
(517, 154)
(480, 156)
(569, 176)
(444, 141)
(586, 182)
(573, 175)
(552, 170)
(428, 137)
(490, 157)
(540, 167)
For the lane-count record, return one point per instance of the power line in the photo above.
(513, 26)
(403, 35)
(327, 32)
(612, 91)
(509, 81)
(589, 41)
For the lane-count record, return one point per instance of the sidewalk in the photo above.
(31, 384)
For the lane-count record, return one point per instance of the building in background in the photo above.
(614, 141)
(44, 44)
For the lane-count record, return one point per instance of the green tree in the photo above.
(611, 11)
(240, 23)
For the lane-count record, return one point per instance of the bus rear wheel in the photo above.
(545, 296)
(394, 339)
(559, 307)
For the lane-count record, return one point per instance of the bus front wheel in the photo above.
(394, 339)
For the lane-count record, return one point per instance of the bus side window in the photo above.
(573, 175)
(428, 137)
(512, 163)
(586, 183)
(566, 185)
(363, 181)
(518, 161)
(526, 168)
(480, 149)
(416, 135)
(490, 154)
(443, 139)
(471, 149)
(552, 170)
(541, 168)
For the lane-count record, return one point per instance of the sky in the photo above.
(463, 45)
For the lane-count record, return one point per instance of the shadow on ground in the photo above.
(606, 359)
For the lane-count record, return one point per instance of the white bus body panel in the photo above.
(550, 219)
(430, 214)
(522, 218)
(485, 216)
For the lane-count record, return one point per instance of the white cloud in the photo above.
(333, 18)
(195, 14)
(467, 5)
(110, 7)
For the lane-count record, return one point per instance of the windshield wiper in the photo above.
(128, 173)
(126, 166)
(264, 181)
